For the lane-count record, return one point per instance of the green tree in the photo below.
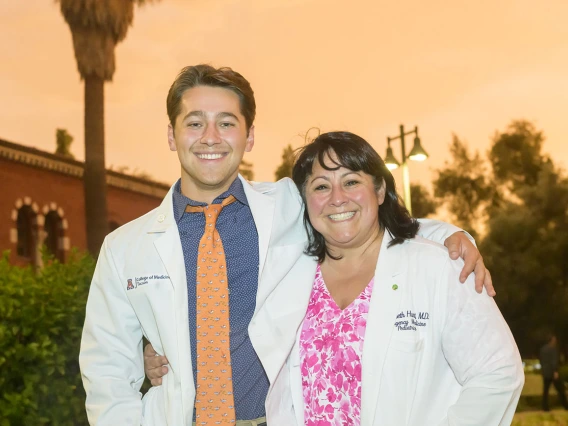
(423, 203)
(526, 245)
(463, 187)
(516, 155)
(41, 320)
(285, 168)
(97, 26)
(63, 140)
(521, 200)
(526, 248)
(245, 169)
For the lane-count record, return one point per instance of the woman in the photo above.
(386, 333)
(390, 336)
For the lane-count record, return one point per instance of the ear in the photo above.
(250, 139)
(171, 138)
(381, 192)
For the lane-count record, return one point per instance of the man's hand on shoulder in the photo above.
(459, 245)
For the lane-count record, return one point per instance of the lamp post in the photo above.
(417, 154)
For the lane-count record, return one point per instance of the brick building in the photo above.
(42, 202)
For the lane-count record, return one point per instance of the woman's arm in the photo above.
(482, 353)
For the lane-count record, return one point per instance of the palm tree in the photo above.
(97, 26)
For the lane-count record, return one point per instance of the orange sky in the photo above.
(366, 66)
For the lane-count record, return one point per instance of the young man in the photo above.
(191, 275)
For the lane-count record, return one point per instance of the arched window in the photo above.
(26, 233)
(53, 233)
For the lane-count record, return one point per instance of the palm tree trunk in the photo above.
(95, 170)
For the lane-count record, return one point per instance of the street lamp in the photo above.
(417, 154)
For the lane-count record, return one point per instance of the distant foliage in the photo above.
(126, 170)
(516, 155)
(423, 204)
(285, 168)
(245, 169)
(41, 318)
(463, 186)
(63, 141)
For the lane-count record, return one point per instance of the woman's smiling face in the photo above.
(343, 205)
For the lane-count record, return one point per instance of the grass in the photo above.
(528, 413)
(540, 418)
(531, 396)
(533, 386)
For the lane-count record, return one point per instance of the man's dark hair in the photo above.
(206, 75)
(356, 154)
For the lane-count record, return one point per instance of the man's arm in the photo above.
(111, 350)
(482, 353)
(459, 244)
(439, 231)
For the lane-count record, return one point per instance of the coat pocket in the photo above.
(407, 345)
(400, 376)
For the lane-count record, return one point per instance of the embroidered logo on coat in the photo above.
(138, 282)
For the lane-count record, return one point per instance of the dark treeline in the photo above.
(515, 200)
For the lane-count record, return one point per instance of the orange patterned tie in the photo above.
(214, 402)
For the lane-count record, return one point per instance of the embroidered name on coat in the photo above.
(410, 320)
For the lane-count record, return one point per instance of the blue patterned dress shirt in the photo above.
(240, 240)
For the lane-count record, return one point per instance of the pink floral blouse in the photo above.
(331, 347)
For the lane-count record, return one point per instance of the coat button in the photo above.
(161, 217)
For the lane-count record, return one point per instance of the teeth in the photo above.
(209, 156)
(341, 216)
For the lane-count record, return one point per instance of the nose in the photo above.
(338, 196)
(211, 135)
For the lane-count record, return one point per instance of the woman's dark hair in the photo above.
(353, 153)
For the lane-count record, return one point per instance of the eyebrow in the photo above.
(201, 114)
(327, 179)
(227, 114)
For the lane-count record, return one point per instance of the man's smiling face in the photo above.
(210, 137)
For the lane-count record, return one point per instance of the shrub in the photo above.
(41, 319)
(563, 373)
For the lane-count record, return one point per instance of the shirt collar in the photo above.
(180, 201)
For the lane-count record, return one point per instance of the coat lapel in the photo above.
(385, 304)
(168, 246)
(262, 209)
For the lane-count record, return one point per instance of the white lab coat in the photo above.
(435, 352)
(148, 252)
